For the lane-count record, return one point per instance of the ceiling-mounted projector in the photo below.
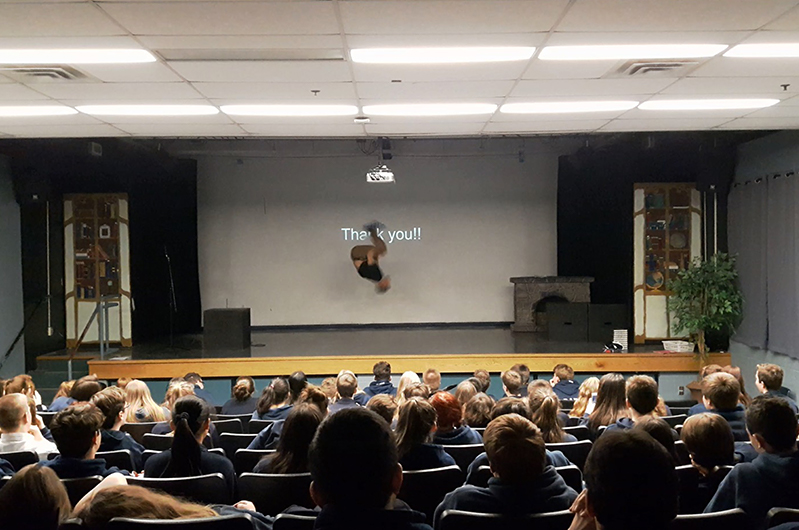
(380, 173)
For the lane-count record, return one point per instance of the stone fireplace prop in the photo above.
(528, 291)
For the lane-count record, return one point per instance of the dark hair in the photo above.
(85, 388)
(448, 411)
(415, 423)
(189, 414)
(515, 448)
(709, 440)
(244, 388)
(110, 401)
(511, 405)
(478, 383)
(74, 429)
(384, 406)
(485, 378)
(314, 395)
(298, 432)
(722, 390)
(477, 411)
(642, 393)
(353, 459)
(631, 481)
(523, 371)
(610, 402)
(774, 420)
(20, 384)
(545, 405)
(193, 378)
(661, 431)
(297, 383)
(37, 487)
(273, 394)
(382, 371)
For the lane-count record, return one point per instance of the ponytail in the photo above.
(188, 416)
(272, 395)
(545, 406)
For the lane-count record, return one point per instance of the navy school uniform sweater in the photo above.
(463, 435)
(234, 406)
(737, 420)
(554, 459)
(6, 469)
(375, 388)
(333, 518)
(341, 404)
(268, 437)
(279, 413)
(116, 440)
(66, 467)
(567, 390)
(209, 463)
(426, 456)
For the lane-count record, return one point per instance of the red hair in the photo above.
(448, 409)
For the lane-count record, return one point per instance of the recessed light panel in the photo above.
(148, 110)
(785, 49)
(564, 107)
(707, 104)
(430, 109)
(442, 55)
(75, 56)
(290, 110)
(618, 52)
(39, 110)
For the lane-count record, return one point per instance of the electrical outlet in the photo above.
(681, 391)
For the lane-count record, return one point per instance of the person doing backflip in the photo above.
(366, 258)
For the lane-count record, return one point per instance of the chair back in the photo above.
(120, 458)
(20, 459)
(681, 452)
(225, 522)
(149, 452)
(4, 480)
(231, 442)
(460, 520)
(572, 421)
(571, 475)
(673, 421)
(243, 418)
(138, 430)
(464, 454)
(678, 411)
(245, 460)
(47, 417)
(204, 489)
(256, 426)
(424, 489)
(71, 524)
(78, 487)
(576, 452)
(479, 430)
(157, 442)
(272, 494)
(777, 516)
(289, 521)
(232, 425)
(580, 432)
(734, 519)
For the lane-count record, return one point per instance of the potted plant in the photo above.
(706, 297)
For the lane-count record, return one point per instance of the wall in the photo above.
(11, 315)
(270, 229)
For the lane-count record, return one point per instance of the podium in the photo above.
(226, 329)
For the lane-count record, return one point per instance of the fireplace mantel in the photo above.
(529, 290)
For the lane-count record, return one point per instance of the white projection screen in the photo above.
(271, 239)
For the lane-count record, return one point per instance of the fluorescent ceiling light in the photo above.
(430, 109)
(76, 56)
(148, 110)
(290, 110)
(41, 110)
(629, 51)
(442, 55)
(707, 104)
(562, 107)
(786, 49)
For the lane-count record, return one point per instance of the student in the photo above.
(586, 400)
(242, 400)
(356, 475)
(188, 457)
(416, 422)
(141, 406)
(407, 379)
(274, 401)
(477, 411)
(696, 388)
(83, 389)
(485, 378)
(366, 258)
(465, 391)
(524, 371)
(76, 431)
(611, 403)
(62, 396)
(523, 482)
(642, 398)
(511, 383)
(34, 499)
(720, 395)
(111, 402)
(630, 483)
(710, 444)
(381, 384)
(346, 386)
(328, 386)
(199, 387)
(384, 406)
(735, 371)
(450, 429)
(269, 437)
(298, 382)
(432, 378)
(17, 432)
(768, 380)
(563, 383)
(292, 449)
(545, 407)
(770, 480)
(658, 429)
(23, 384)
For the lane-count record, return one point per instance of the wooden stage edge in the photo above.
(362, 364)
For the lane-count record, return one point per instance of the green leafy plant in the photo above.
(706, 297)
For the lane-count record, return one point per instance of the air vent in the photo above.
(669, 68)
(43, 74)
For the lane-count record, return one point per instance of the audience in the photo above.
(416, 422)
(297, 383)
(563, 383)
(274, 401)
(524, 372)
(734, 371)
(111, 402)
(523, 482)
(450, 430)
(477, 411)
(381, 384)
(346, 386)
(642, 398)
(34, 499)
(768, 381)
(658, 429)
(292, 449)
(199, 387)
(485, 379)
(465, 391)
(696, 388)
(586, 399)
(710, 444)
(432, 378)
(242, 400)
(175, 391)
(122, 382)
(269, 437)
(545, 407)
(328, 388)
(76, 430)
(83, 389)
(611, 403)
(23, 384)
(721, 395)
(416, 390)
(384, 406)
(511, 383)
(140, 405)
(17, 432)
(63, 392)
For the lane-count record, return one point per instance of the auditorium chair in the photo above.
(4, 481)
(289, 521)
(224, 522)
(20, 459)
(681, 452)
(71, 524)
(673, 421)
(232, 425)
(461, 520)
(138, 430)
(149, 452)
(244, 419)
(692, 499)
(272, 494)
(464, 454)
(47, 417)
(245, 460)
(157, 442)
(580, 432)
(120, 458)
(572, 422)
(678, 411)
(78, 487)
(256, 426)
(576, 452)
(735, 519)
(777, 516)
(480, 430)
(424, 489)
(571, 475)
(204, 489)
(231, 443)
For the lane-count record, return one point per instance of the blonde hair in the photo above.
(407, 379)
(138, 397)
(587, 390)
(175, 391)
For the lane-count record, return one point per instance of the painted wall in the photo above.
(11, 314)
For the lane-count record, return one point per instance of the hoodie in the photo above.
(568, 390)
(463, 435)
(375, 388)
(545, 493)
(770, 481)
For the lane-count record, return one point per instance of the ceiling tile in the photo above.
(590, 87)
(77, 120)
(60, 131)
(19, 92)
(83, 41)
(777, 111)
(670, 124)
(569, 69)
(788, 22)
(748, 67)
(311, 130)
(762, 123)
(385, 73)
(35, 19)
(638, 114)
(628, 36)
(543, 126)
(187, 130)
(119, 91)
(263, 71)
(440, 90)
(728, 85)
(131, 73)
(426, 129)
(269, 91)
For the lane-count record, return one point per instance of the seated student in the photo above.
(642, 398)
(630, 483)
(611, 403)
(242, 400)
(524, 372)
(34, 499)
(274, 401)
(768, 380)
(61, 396)
(199, 387)
(416, 422)
(141, 408)
(771, 480)
(346, 386)
(709, 441)
(450, 429)
(23, 384)
(269, 436)
(485, 378)
(658, 429)
(523, 482)
(381, 384)
(586, 399)
(511, 383)
(328, 387)
(77, 434)
(545, 407)
(83, 390)
(384, 406)
(292, 448)
(465, 391)
(477, 411)
(696, 388)
(177, 389)
(432, 378)
(407, 379)
(720, 395)
(735, 371)
(17, 432)
(563, 383)
(188, 457)
(111, 402)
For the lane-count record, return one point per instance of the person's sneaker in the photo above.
(374, 225)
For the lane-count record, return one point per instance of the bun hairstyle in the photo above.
(273, 395)
(244, 388)
(314, 395)
(189, 415)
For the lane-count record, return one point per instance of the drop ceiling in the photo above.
(249, 52)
